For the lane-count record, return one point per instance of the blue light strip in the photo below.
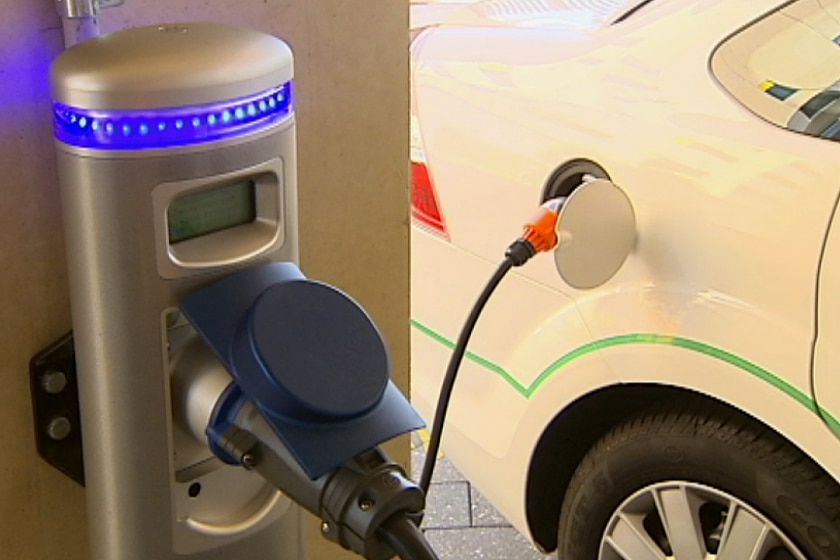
(171, 127)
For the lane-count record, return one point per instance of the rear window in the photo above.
(785, 67)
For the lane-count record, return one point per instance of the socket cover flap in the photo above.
(310, 359)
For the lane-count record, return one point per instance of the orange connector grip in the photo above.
(541, 231)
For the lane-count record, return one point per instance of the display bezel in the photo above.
(225, 246)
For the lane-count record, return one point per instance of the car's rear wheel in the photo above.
(691, 482)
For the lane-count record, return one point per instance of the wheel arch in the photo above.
(568, 437)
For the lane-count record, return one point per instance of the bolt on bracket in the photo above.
(55, 405)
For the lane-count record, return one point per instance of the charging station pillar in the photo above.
(176, 155)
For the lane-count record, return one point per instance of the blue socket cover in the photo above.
(308, 357)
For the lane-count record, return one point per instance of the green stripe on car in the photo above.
(638, 338)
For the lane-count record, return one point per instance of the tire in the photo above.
(714, 477)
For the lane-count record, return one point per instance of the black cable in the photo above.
(407, 540)
(455, 362)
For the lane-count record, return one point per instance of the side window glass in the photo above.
(785, 67)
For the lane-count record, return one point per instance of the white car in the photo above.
(686, 407)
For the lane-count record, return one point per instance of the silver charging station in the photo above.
(176, 154)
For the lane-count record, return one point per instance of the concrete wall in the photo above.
(351, 87)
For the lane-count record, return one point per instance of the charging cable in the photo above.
(540, 235)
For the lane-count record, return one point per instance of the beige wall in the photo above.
(351, 86)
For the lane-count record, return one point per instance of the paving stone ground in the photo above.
(460, 523)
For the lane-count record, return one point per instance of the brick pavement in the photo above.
(460, 523)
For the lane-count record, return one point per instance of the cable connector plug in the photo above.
(520, 252)
(540, 233)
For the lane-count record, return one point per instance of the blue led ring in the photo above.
(166, 128)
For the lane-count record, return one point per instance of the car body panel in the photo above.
(720, 292)
(585, 14)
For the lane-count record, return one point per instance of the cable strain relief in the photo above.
(520, 252)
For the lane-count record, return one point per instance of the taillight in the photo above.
(424, 203)
(425, 207)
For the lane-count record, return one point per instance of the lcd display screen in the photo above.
(211, 210)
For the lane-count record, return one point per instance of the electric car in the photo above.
(685, 407)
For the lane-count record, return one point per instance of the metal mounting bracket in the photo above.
(55, 404)
(84, 8)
